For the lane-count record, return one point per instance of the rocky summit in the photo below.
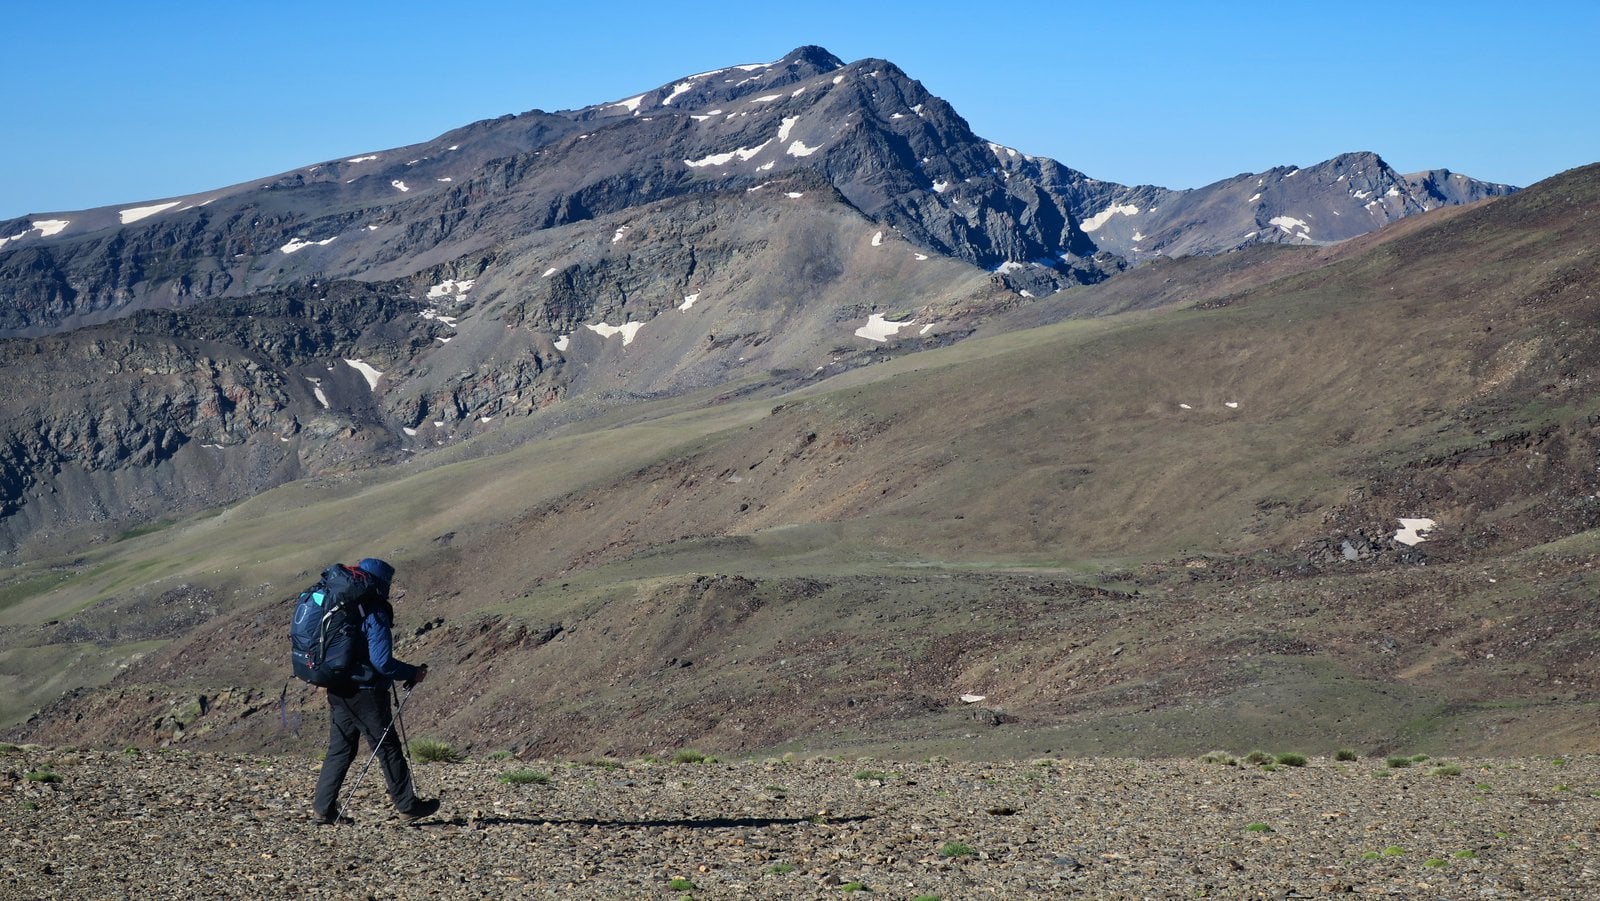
(772, 410)
(783, 218)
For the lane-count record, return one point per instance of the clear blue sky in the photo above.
(114, 102)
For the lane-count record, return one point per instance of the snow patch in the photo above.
(627, 330)
(677, 90)
(1253, 198)
(1289, 225)
(926, 329)
(631, 104)
(549, 272)
(1231, 404)
(617, 235)
(880, 329)
(1104, 216)
(921, 256)
(367, 158)
(722, 159)
(563, 342)
(877, 240)
(399, 185)
(372, 375)
(316, 389)
(688, 300)
(767, 98)
(140, 212)
(795, 195)
(45, 228)
(783, 129)
(1411, 531)
(298, 244)
(1009, 266)
(939, 187)
(450, 287)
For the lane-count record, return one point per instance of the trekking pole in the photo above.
(351, 791)
(405, 739)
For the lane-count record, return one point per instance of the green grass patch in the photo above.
(41, 776)
(1448, 769)
(1221, 758)
(1290, 758)
(1433, 862)
(779, 869)
(957, 849)
(1465, 854)
(1398, 763)
(688, 755)
(680, 884)
(428, 750)
(1258, 827)
(1394, 851)
(849, 887)
(1346, 755)
(23, 589)
(1258, 758)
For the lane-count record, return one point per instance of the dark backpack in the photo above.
(325, 636)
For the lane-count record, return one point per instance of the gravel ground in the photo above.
(92, 825)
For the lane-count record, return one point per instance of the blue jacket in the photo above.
(381, 669)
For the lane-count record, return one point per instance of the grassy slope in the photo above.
(1032, 515)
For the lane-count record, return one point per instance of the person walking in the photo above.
(360, 706)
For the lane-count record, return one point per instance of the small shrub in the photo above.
(1467, 854)
(525, 777)
(1290, 758)
(1270, 767)
(604, 763)
(1371, 855)
(927, 898)
(131, 751)
(41, 776)
(1396, 763)
(1222, 758)
(1433, 862)
(1257, 758)
(781, 868)
(680, 884)
(1418, 758)
(501, 755)
(957, 849)
(1559, 761)
(1346, 754)
(428, 750)
(1448, 769)
(777, 789)
(1394, 851)
(1258, 827)
(849, 887)
(691, 756)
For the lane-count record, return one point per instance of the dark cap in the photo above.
(377, 569)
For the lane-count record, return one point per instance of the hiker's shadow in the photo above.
(682, 823)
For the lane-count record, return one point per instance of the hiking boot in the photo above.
(421, 809)
(331, 818)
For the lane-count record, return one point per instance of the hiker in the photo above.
(359, 704)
